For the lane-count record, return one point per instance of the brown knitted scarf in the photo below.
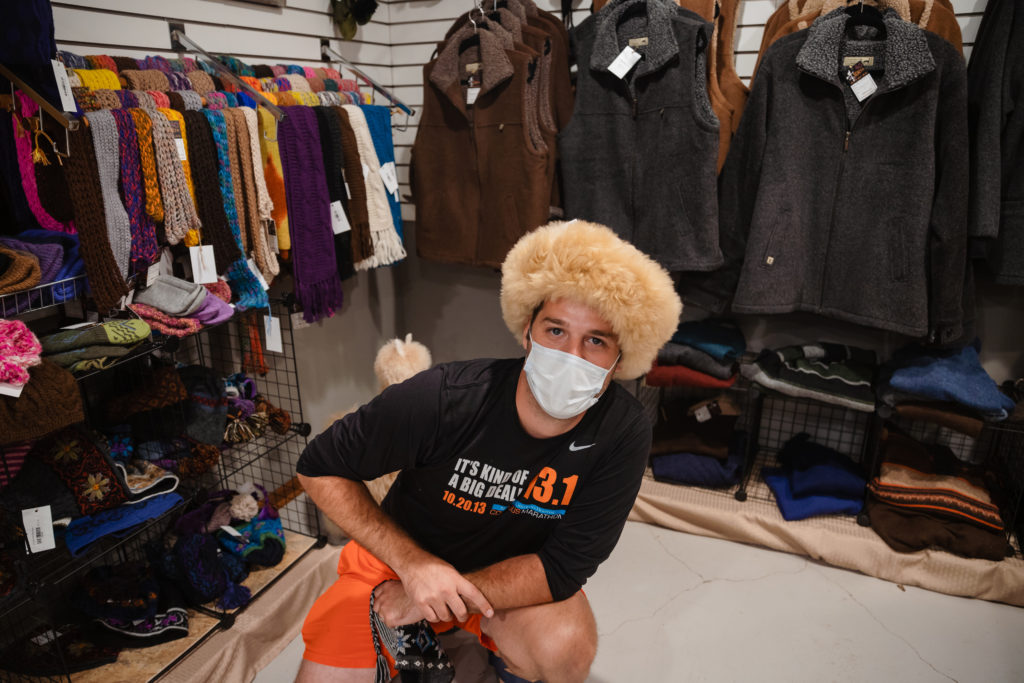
(148, 79)
(201, 82)
(359, 216)
(83, 178)
(144, 131)
(202, 156)
(179, 211)
(257, 233)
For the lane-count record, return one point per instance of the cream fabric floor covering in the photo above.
(836, 540)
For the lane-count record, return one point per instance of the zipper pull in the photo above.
(636, 107)
(846, 142)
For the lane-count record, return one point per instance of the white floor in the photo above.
(675, 607)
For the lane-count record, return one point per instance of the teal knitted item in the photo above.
(242, 280)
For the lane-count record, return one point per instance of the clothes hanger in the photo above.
(473, 40)
(861, 15)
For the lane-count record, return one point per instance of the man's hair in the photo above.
(589, 263)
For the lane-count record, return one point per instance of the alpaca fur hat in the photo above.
(589, 263)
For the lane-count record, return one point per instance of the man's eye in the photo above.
(556, 331)
(597, 341)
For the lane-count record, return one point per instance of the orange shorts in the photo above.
(337, 628)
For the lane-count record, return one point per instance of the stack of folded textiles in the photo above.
(831, 373)
(700, 354)
(924, 496)
(954, 378)
(94, 347)
(814, 480)
(177, 308)
(698, 445)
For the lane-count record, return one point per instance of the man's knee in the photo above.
(566, 651)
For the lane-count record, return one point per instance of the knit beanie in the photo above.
(387, 247)
(19, 350)
(49, 256)
(173, 296)
(330, 144)
(202, 575)
(166, 324)
(214, 311)
(209, 203)
(108, 160)
(161, 388)
(317, 285)
(36, 485)
(358, 217)
(270, 151)
(74, 454)
(207, 405)
(22, 272)
(219, 289)
(71, 263)
(50, 401)
(125, 591)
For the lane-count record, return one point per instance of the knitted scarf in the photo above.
(330, 145)
(378, 119)
(387, 247)
(149, 79)
(108, 99)
(358, 218)
(317, 285)
(23, 144)
(145, 248)
(179, 210)
(270, 151)
(264, 257)
(242, 280)
(191, 238)
(144, 99)
(202, 156)
(144, 132)
(105, 280)
(108, 161)
(230, 125)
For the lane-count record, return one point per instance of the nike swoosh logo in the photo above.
(573, 447)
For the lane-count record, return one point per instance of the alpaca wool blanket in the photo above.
(317, 284)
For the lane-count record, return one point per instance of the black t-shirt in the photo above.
(475, 488)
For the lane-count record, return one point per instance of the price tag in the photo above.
(272, 236)
(204, 267)
(231, 530)
(703, 414)
(11, 390)
(626, 60)
(179, 141)
(38, 528)
(272, 327)
(152, 274)
(471, 95)
(256, 271)
(390, 177)
(861, 82)
(67, 98)
(339, 221)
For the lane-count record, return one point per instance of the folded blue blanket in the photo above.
(720, 339)
(795, 508)
(703, 470)
(817, 470)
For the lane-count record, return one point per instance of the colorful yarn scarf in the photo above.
(317, 285)
(144, 249)
(179, 210)
(270, 151)
(144, 133)
(23, 143)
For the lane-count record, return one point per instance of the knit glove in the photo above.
(112, 332)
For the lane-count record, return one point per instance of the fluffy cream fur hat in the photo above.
(589, 263)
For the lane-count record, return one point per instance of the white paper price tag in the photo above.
(67, 98)
(864, 88)
(11, 390)
(703, 414)
(471, 95)
(204, 267)
(339, 221)
(256, 271)
(390, 177)
(152, 274)
(626, 60)
(179, 141)
(38, 528)
(231, 530)
(272, 327)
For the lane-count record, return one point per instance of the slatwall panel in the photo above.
(256, 34)
(417, 26)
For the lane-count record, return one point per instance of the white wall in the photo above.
(452, 309)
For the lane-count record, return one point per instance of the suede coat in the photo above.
(851, 210)
(482, 175)
(639, 154)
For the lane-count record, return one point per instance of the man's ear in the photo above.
(526, 336)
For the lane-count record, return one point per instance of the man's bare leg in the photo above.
(311, 672)
(554, 642)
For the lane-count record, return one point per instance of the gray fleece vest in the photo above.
(639, 153)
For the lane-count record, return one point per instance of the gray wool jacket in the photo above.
(850, 210)
(640, 154)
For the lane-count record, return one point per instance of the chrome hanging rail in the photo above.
(330, 54)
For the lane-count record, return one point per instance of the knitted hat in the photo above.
(19, 350)
(213, 311)
(589, 263)
(219, 289)
(166, 324)
(163, 387)
(22, 272)
(207, 406)
(74, 454)
(50, 401)
(173, 296)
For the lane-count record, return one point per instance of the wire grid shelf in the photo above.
(269, 461)
(41, 297)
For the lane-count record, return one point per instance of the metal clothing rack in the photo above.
(182, 43)
(329, 55)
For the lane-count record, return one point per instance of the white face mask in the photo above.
(564, 384)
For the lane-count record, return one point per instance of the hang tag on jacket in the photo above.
(272, 328)
(339, 221)
(626, 60)
(67, 98)
(38, 528)
(860, 81)
(204, 267)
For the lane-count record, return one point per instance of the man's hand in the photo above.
(439, 593)
(394, 606)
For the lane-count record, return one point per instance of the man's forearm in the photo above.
(516, 582)
(349, 505)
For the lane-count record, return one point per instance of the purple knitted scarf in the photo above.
(317, 284)
(145, 248)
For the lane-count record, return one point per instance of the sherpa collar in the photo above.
(907, 57)
(661, 46)
(496, 66)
